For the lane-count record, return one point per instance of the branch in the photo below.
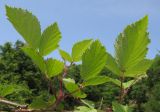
(7, 102)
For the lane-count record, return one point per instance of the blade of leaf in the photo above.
(96, 81)
(6, 90)
(79, 48)
(112, 65)
(26, 24)
(93, 60)
(85, 109)
(72, 87)
(131, 45)
(38, 103)
(65, 55)
(54, 67)
(128, 83)
(36, 58)
(50, 39)
(121, 108)
(139, 69)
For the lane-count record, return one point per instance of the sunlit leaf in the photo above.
(96, 80)
(112, 65)
(65, 55)
(54, 67)
(79, 48)
(131, 45)
(36, 58)
(50, 39)
(139, 69)
(26, 24)
(93, 60)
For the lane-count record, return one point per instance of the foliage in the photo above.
(128, 66)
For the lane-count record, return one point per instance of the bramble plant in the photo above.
(129, 61)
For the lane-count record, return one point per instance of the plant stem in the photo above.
(7, 102)
(122, 89)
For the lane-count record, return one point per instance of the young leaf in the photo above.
(36, 58)
(54, 67)
(131, 45)
(128, 84)
(90, 104)
(79, 48)
(93, 60)
(38, 103)
(96, 81)
(116, 82)
(85, 109)
(112, 65)
(26, 24)
(50, 39)
(139, 69)
(65, 55)
(73, 88)
(121, 108)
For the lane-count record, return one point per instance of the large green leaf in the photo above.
(139, 69)
(26, 24)
(131, 45)
(112, 65)
(36, 58)
(65, 55)
(93, 60)
(79, 48)
(50, 39)
(54, 67)
(96, 80)
(73, 88)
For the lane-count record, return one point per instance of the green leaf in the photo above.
(128, 84)
(26, 24)
(6, 90)
(38, 103)
(73, 88)
(90, 104)
(131, 45)
(121, 108)
(139, 69)
(54, 67)
(50, 39)
(96, 81)
(112, 65)
(52, 100)
(85, 109)
(116, 82)
(132, 82)
(65, 55)
(79, 48)
(93, 60)
(36, 58)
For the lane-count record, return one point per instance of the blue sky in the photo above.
(80, 19)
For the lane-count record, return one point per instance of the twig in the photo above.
(7, 102)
